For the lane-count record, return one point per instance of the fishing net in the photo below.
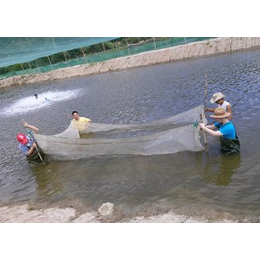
(166, 136)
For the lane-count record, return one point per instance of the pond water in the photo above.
(193, 183)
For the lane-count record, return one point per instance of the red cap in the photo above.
(22, 138)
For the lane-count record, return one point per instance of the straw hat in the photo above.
(220, 112)
(216, 97)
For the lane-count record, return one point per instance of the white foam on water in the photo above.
(45, 99)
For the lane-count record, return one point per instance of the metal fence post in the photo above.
(127, 47)
(154, 43)
(85, 58)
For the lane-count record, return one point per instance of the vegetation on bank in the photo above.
(117, 44)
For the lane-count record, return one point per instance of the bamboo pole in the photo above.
(201, 117)
(206, 90)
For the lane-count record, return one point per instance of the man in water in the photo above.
(80, 123)
(27, 145)
(224, 129)
(219, 99)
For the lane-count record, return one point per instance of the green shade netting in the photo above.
(14, 50)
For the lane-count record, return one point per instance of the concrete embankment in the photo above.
(192, 50)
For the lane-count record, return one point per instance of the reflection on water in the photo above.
(47, 180)
(218, 169)
(139, 183)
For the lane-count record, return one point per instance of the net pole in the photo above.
(206, 90)
(204, 135)
(205, 99)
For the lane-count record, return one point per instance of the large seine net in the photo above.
(166, 136)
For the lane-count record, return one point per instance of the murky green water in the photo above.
(210, 185)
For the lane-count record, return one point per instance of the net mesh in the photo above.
(166, 136)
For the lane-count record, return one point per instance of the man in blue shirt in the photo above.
(27, 145)
(224, 129)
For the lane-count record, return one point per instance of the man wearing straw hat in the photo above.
(224, 129)
(219, 99)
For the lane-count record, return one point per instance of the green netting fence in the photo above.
(36, 67)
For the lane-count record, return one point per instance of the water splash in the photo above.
(32, 103)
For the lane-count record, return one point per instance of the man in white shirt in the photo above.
(219, 99)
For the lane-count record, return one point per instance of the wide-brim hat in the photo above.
(220, 112)
(216, 97)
